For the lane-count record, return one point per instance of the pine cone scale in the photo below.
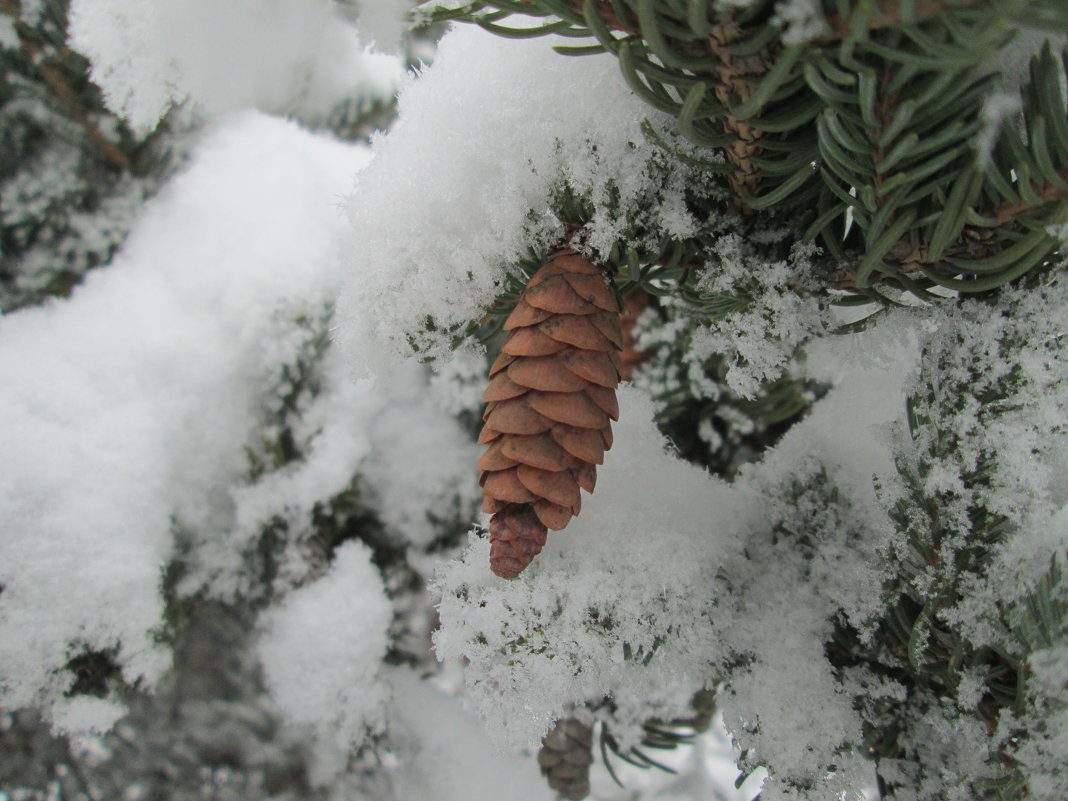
(584, 444)
(500, 363)
(596, 368)
(610, 326)
(605, 399)
(571, 329)
(532, 342)
(502, 387)
(552, 515)
(524, 315)
(516, 417)
(586, 476)
(545, 373)
(560, 487)
(556, 295)
(593, 290)
(488, 435)
(496, 458)
(504, 485)
(539, 451)
(550, 403)
(574, 408)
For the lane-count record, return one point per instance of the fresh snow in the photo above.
(132, 408)
(322, 650)
(277, 55)
(471, 163)
(130, 405)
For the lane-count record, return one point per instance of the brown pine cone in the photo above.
(632, 358)
(551, 397)
(565, 757)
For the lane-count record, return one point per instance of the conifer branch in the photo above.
(54, 77)
(1047, 192)
(890, 14)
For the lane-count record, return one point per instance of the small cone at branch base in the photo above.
(565, 758)
(550, 401)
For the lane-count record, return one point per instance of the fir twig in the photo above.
(54, 77)
(890, 13)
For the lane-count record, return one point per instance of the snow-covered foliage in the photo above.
(780, 312)
(169, 353)
(645, 597)
(186, 430)
(279, 55)
(980, 497)
(473, 162)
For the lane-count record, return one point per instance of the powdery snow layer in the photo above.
(322, 652)
(444, 754)
(127, 406)
(222, 54)
(462, 184)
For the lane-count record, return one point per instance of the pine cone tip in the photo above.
(516, 537)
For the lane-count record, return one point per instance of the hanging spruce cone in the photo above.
(630, 356)
(565, 757)
(551, 397)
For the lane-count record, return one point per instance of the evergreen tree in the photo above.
(72, 173)
(876, 151)
(834, 234)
